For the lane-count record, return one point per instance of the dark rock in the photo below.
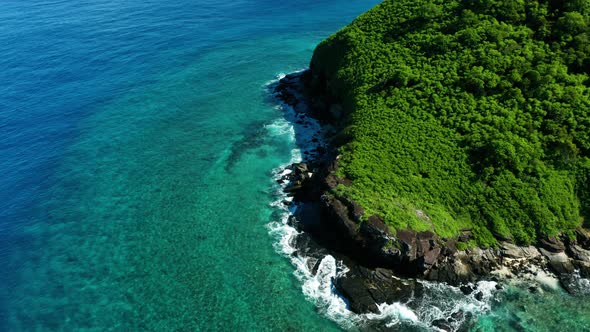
(308, 247)
(458, 315)
(454, 271)
(427, 236)
(364, 288)
(553, 244)
(431, 257)
(466, 289)
(331, 181)
(294, 187)
(442, 324)
(583, 238)
(573, 285)
(355, 209)
(479, 296)
(407, 240)
(450, 247)
(338, 214)
(300, 167)
(374, 227)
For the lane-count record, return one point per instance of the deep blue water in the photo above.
(137, 147)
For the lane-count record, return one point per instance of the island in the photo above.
(458, 145)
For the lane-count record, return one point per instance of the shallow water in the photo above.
(137, 148)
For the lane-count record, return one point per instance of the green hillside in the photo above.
(466, 114)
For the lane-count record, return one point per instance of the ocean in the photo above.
(138, 146)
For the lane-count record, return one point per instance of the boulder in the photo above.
(560, 263)
(443, 325)
(511, 250)
(552, 244)
(364, 288)
(531, 252)
(466, 289)
(452, 270)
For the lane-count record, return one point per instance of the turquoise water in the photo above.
(137, 148)
(517, 309)
(136, 165)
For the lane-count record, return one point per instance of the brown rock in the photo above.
(553, 244)
(374, 226)
(431, 257)
(407, 240)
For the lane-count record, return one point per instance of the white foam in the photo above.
(280, 76)
(393, 314)
(547, 280)
(320, 289)
(285, 172)
(285, 235)
(281, 127)
(582, 284)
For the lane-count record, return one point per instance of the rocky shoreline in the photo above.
(375, 255)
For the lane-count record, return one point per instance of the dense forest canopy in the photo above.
(466, 114)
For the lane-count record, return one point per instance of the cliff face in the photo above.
(462, 117)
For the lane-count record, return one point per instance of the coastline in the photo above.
(366, 281)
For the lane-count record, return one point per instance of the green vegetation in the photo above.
(466, 114)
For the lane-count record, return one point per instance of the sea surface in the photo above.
(138, 145)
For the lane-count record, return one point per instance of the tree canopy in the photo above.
(466, 114)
